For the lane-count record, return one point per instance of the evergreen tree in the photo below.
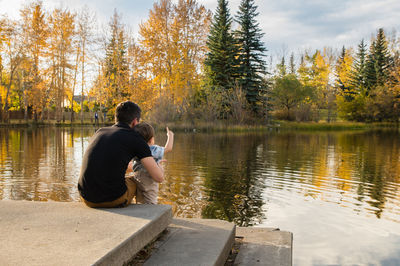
(292, 66)
(358, 78)
(382, 58)
(251, 66)
(116, 64)
(370, 72)
(281, 68)
(378, 62)
(220, 60)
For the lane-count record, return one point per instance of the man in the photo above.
(102, 182)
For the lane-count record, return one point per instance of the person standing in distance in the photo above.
(102, 182)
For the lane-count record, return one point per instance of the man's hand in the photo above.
(130, 166)
(155, 171)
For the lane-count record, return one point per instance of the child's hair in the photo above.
(146, 130)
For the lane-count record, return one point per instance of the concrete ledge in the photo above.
(194, 242)
(58, 233)
(264, 246)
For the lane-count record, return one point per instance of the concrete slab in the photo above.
(57, 233)
(264, 246)
(194, 242)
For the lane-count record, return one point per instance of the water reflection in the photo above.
(232, 187)
(223, 175)
(41, 164)
(330, 189)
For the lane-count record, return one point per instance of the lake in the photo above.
(338, 192)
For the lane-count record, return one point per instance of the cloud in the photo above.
(293, 23)
(316, 24)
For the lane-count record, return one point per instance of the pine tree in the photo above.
(382, 58)
(358, 79)
(252, 65)
(281, 68)
(222, 51)
(378, 62)
(292, 66)
(370, 71)
(116, 66)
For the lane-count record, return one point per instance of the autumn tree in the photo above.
(35, 29)
(156, 40)
(2, 39)
(62, 30)
(288, 93)
(85, 37)
(116, 74)
(343, 74)
(173, 45)
(13, 54)
(140, 85)
(190, 30)
(320, 71)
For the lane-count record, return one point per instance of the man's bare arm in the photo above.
(155, 171)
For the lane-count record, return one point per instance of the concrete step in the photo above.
(57, 233)
(194, 242)
(264, 246)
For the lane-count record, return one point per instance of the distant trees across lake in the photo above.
(188, 64)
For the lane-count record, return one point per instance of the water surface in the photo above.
(338, 192)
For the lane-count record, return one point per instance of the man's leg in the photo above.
(131, 191)
(120, 202)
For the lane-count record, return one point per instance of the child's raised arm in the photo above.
(170, 141)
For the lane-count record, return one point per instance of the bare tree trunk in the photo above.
(1, 111)
(63, 89)
(83, 79)
(1, 83)
(73, 87)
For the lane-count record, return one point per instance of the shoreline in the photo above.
(224, 127)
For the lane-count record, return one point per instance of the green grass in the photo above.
(345, 125)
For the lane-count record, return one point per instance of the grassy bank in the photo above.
(221, 126)
(275, 125)
(32, 123)
(332, 125)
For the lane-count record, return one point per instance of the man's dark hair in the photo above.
(126, 112)
(146, 130)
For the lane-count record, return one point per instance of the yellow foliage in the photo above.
(173, 40)
(344, 69)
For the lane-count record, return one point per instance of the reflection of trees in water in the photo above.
(233, 188)
(209, 175)
(365, 164)
(219, 175)
(378, 164)
(182, 188)
(37, 163)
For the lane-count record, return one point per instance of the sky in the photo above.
(289, 25)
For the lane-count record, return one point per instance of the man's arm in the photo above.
(155, 171)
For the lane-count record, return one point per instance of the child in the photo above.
(147, 188)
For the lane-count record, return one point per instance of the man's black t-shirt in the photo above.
(102, 177)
